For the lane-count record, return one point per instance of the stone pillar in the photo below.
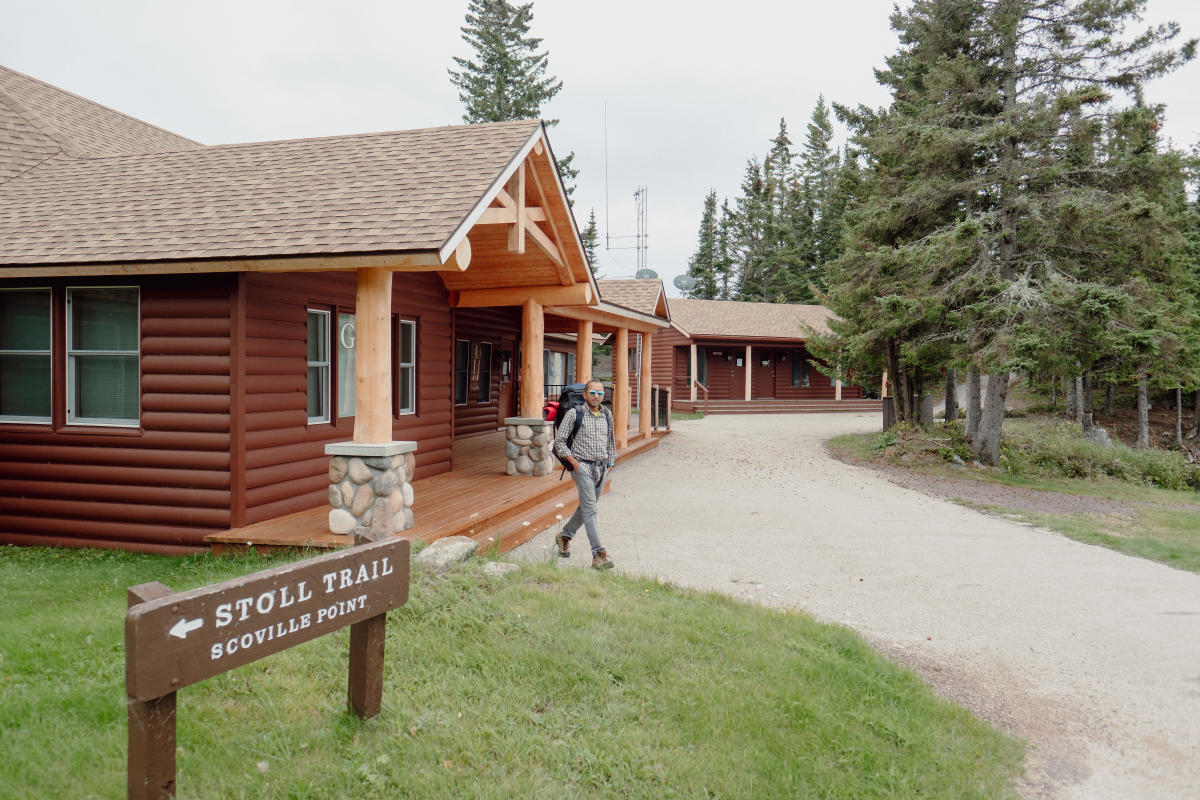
(370, 486)
(528, 446)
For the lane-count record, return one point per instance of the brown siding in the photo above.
(162, 487)
(285, 462)
(499, 327)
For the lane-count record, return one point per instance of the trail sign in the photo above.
(173, 640)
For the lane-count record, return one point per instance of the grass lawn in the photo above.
(1158, 524)
(547, 683)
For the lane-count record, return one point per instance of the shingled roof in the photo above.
(373, 193)
(39, 121)
(646, 296)
(748, 320)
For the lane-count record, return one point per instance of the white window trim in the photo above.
(72, 419)
(326, 366)
(49, 352)
(407, 365)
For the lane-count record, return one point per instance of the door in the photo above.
(764, 374)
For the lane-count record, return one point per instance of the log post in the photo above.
(620, 403)
(583, 352)
(533, 342)
(373, 356)
(645, 400)
(695, 375)
(749, 374)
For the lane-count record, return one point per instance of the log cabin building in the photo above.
(195, 339)
(747, 357)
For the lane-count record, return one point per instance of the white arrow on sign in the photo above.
(181, 629)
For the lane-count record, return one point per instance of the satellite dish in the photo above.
(645, 274)
(684, 283)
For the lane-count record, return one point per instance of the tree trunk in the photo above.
(1053, 391)
(951, 395)
(1079, 399)
(1071, 396)
(1108, 401)
(1195, 415)
(1179, 417)
(899, 382)
(1088, 403)
(986, 444)
(1143, 405)
(972, 403)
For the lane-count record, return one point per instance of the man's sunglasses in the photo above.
(593, 391)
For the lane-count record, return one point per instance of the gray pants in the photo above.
(589, 480)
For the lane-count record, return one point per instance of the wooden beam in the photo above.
(579, 294)
(533, 342)
(373, 356)
(583, 351)
(645, 408)
(460, 259)
(620, 405)
(551, 250)
(604, 318)
(425, 261)
(516, 234)
(498, 215)
(564, 271)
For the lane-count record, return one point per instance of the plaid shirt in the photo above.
(594, 442)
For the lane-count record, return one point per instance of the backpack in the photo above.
(570, 397)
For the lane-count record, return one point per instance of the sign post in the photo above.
(173, 640)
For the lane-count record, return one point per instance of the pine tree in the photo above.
(590, 237)
(724, 268)
(819, 163)
(507, 78)
(703, 264)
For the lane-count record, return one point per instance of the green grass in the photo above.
(545, 684)
(1049, 455)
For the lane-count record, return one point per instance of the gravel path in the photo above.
(1091, 656)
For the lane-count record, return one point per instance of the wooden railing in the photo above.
(700, 385)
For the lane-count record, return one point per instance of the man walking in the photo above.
(591, 457)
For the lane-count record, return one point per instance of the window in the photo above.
(483, 371)
(103, 368)
(799, 369)
(406, 396)
(345, 365)
(462, 353)
(571, 368)
(318, 366)
(25, 355)
(701, 364)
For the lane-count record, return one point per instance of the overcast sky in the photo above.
(690, 89)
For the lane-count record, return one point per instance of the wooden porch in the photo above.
(476, 499)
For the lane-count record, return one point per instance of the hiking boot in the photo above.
(600, 560)
(564, 545)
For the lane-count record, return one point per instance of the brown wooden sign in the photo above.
(183, 638)
(173, 640)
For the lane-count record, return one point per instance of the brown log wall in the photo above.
(500, 327)
(161, 487)
(286, 469)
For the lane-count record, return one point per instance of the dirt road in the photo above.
(1091, 656)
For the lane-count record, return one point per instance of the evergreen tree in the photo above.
(724, 268)
(507, 78)
(703, 264)
(820, 167)
(985, 188)
(590, 237)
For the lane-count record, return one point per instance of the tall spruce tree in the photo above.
(507, 78)
(981, 179)
(590, 237)
(703, 264)
(819, 164)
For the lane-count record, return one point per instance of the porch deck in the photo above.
(770, 406)
(474, 499)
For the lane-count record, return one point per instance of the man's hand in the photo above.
(573, 462)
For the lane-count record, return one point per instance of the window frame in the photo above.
(71, 353)
(484, 395)
(19, 419)
(402, 366)
(462, 366)
(326, 385)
